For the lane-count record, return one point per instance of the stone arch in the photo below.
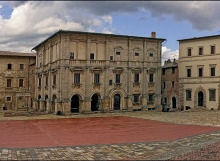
(112, 93)
(75, 103)
(95, 101)
(171, 100)
(38, 102)
(199, 89)
(54, 97)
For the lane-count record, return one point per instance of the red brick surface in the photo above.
(88, 131)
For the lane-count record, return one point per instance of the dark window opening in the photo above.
(110, 82)
(136, 78)
(200, 51)
(9, 66)
(163, 71)
(172, 84)
(173, 70)
(212, 49)
(136, 98)
(96, 78)
(77, 78)
(111, 57)
(92, 56)
(8, 98)
(71, 55)
(189, 52)
(39, 82)
(212, 71)
(21, 82)
(151, 78)
(200, 72)
(150, 98)
(188, 72)
(151, 54)
(212, 95)
(136, 54)
(188, 95)
(54, 79)
(117, 80)
(21, 66)
(46, 81)
(8, 82)
(118, 53)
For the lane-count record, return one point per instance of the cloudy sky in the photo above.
(24, 24)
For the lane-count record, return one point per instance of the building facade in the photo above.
(199, 83)
(17, 73)
(170, 84)
(88, 72)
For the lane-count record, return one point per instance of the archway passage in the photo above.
(117, 102)
(174, 102)
(75, 104)
(200, 99)
(95, 103)
(53, 103)
(38, 102)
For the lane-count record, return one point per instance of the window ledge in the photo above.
(77, 85)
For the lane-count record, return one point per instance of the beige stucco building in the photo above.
(17, 76)
(88, 72)
(199, 77)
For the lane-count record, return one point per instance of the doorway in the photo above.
(75, 104)
(117, 102)
(200, 99)
(174, 102)
(95, 103)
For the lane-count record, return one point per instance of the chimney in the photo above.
(174, 61)
(153, 34)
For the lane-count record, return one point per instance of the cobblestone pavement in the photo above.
(204, 146)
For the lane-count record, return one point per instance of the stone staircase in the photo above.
(22, 109)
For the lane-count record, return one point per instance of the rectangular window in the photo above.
(188, 72)
(189, 51)
(211, 95)
(164, 85)
(172, 84)
(188, 95)
(9, 66)
(212, 49)
(21, 82)
(201, 51)
(8, 99)
(8, 82)
(136, 98)
(39, 82)
(163, 71)
(118, 53)
(117, 78)
(111, 57)
(77, 78)
(54, 80)
(91, 56)
(71, 55)
(46, 81)
(165, 100)
(150, 98)
(110, 82)
(151, 78)
(96, 78)
(151, 54)
(212, 71)
(20, 98)
(136, 54)
(173, 70)
(21, 66)
(200, 72)
(136, 78)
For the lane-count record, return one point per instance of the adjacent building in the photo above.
(199, 77)
(17, 76)
(88, 72)
(170, 84)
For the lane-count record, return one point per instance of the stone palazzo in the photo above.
(81, 72)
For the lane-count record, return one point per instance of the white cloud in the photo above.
(106, 31)
(167, 53)
(107, 18)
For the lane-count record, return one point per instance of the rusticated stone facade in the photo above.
(16, 80)
(199, 72)
(170, 85)
(88, 72)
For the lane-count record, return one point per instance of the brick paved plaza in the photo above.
(114, 136)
